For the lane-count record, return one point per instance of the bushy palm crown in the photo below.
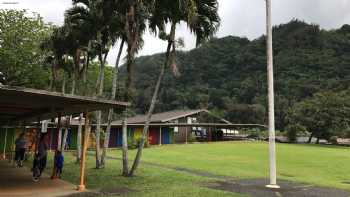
(201, 16)
(207, 20)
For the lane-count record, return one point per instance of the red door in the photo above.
(153, 136)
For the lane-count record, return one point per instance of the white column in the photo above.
(160, 135)
(271, 111)
(59, 139)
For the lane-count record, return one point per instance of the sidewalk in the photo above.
(17, 182)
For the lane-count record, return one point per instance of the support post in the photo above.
(5, 143)
(271, 110)
(186, 135)
(160, 135)
(59, 129)
(85, 135)
(51, 136)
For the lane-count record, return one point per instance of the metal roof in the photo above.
(18, 103)
(165, 117)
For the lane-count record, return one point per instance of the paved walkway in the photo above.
(17, 182)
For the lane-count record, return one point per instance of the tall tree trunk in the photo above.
(125, 146)
(79, 135)
(132, 28)
(74, 79)
(153, 101)
(64, 84)
(310, 138)
(81, 116)
(98, 139)
(110, 112)
(53, 75)
(99, 88)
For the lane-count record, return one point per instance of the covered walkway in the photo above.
(17, 182)
(20, 106)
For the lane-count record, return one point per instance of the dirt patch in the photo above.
(115, 191)
(286, 175)
(256, 188)
(103, 192)
(84, 194)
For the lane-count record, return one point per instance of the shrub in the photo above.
(333, 140)
(293, 132)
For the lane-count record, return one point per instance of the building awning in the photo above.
(24, 104)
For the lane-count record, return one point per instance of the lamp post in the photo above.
(271, 110)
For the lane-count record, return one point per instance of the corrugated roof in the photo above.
(18, 103)
(161, 117)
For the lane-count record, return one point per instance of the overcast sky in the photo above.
(244, 18)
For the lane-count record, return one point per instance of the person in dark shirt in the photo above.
(59, 159)
(40, 158)
(20, 149)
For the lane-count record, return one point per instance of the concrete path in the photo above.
(17, 182)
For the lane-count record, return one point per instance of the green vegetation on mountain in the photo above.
(228, 75)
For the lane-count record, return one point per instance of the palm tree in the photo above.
(55, 45)
(113, 96)
(134, 14)
(202, 18)
(116, 28)
(105, 28)
(78, 33)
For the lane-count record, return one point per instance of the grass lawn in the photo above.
(318, 165)
(149, 181)
(314, 164)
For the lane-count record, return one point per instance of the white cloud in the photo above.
(239, 17)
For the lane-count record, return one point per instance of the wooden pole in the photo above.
(271, 107)
(160, 135)
(186, 135)
(85, 135)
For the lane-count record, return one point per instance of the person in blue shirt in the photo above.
(59, 159)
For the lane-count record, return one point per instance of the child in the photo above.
(59, 159)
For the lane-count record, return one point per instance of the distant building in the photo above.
(179, 126)
(168, 127)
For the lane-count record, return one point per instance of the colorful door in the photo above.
(119, 137)
(165, 135)
(113, 138)
(153, 136)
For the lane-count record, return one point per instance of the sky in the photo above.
(244, 18)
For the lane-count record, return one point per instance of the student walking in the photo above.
(20, 149)
(40, 158)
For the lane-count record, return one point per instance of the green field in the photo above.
(312, 164)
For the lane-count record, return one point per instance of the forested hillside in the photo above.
(228, 75)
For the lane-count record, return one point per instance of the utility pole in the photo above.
(271, 107)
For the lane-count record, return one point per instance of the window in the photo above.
(176, 129)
